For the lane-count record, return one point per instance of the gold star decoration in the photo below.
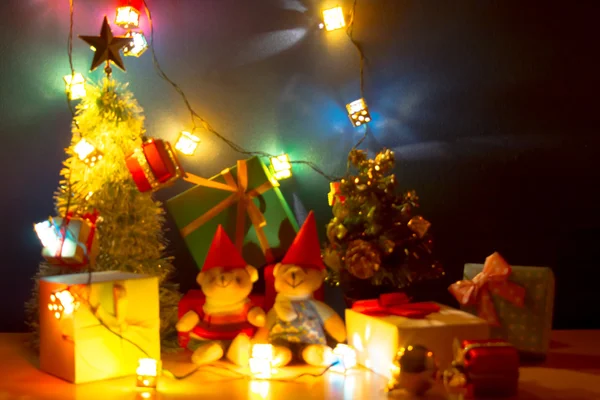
(106, 47)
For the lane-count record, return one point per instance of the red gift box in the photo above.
(491, 367)
(154, 165)
(270, 292)
(193, 301)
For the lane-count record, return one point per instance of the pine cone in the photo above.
(362, 259)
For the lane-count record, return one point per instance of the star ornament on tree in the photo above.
(106, 47)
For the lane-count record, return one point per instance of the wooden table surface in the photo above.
(570, 372)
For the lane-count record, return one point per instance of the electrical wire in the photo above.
(242, 375)
(195, 116)
(68, 94)
(361, 54)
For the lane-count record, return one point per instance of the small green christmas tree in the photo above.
(375, 235)
(129, 230)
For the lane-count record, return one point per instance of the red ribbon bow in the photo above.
(394, 304)
(492, 279)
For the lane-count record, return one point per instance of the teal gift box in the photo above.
(517, 301)
(245, 199)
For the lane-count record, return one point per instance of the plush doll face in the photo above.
(227, 286)
(293, 280)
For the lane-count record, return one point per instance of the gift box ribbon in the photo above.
(91, 218)
(394, 304)
(245, 205)
(492, 279)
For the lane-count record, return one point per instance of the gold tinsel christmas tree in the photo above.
(129, 229)
(375, 237)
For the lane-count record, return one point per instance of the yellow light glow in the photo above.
(187, 143)
(147, 372)
(281, 167)
(63, 303)
(87, 152)
(261, 362)
(137, 46)
(260, 388)
(333, 18)
(75, 86)
(48, 235)
(345, 356)
(357, 342)
(358, 112)
(127, 17)
(83, 149)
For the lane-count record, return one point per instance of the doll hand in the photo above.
(256, 316)
(187, 322)
(285, 311)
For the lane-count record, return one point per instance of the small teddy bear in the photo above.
(297, 323)
(228, 318)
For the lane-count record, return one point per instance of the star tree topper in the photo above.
(107, 47)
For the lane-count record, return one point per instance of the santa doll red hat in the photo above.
(305, 251)
(223, 253)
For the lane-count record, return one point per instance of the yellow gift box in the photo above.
(378, 338)
(97, 326)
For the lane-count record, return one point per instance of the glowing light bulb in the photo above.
(75, 86)
(187, 143)
(147, 372)
(87, 152)
(63, 303)
(333, 18)
(345, 358)
(281, 167)
(261, 362)
(127, 17)
(48, 235)
(137, 46)
(358, 112)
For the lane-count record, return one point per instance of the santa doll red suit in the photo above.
(227, 314)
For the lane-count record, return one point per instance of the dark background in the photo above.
(491, 108)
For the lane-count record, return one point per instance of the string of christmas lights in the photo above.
(127, 17)
(194, 115)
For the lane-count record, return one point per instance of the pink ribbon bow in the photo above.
(394, 304)
(492, 279)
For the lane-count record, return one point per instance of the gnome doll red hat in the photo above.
(223, 253)
(305, 251)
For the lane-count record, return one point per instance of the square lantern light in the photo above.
(147, 372)
(75, 86)
(127, 17)
(333, 18)
(87, 152)
(137, 46)
(187, 143)
(358, 112)
(345, 358)
(281, 167)
(261, 362)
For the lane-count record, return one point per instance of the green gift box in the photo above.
(246, 201)
(526, 325)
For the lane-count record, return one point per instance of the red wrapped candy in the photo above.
(154, 165)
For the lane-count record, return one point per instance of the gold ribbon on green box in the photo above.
(245, 205)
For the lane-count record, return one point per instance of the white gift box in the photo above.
(378, 338)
